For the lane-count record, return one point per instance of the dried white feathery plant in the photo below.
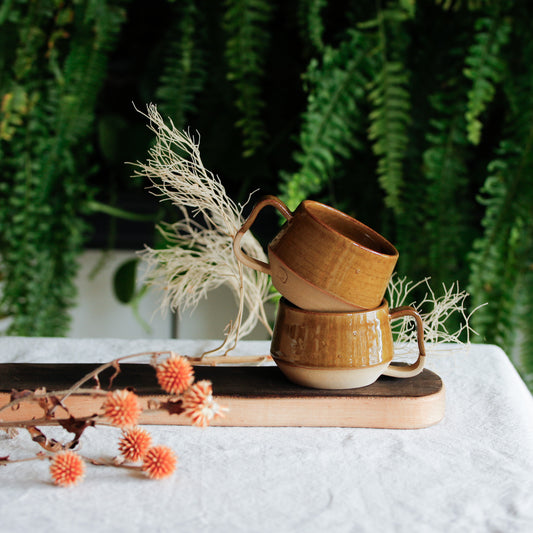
(435, 312)
(200, 257)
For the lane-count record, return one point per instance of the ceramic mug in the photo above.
(323, 259)
(345, 350)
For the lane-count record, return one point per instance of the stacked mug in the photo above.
(333, 325)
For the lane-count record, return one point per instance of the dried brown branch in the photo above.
(121, 408)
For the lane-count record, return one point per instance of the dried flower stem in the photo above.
(121, 408)
(37, 457)
(35, 396)
(38, 395)
(230, 360)
(44, 421)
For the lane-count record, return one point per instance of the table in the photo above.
(471, 472)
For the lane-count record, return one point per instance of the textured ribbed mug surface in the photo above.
(335, 255)
(322, 259)
(332, 339)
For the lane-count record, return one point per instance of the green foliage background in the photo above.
(414, 117)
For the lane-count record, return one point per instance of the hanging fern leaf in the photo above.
(485, 67)
(498, 257)
(501, 260)
(311, 22)
(456, 5)
(388, 128)
(524, 307)
(73, 95)
(184, 72)
(44, 159)
(332, 121)
(446, 174)
(389, 96)
(246, 22)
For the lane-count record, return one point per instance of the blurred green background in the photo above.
(414, 117)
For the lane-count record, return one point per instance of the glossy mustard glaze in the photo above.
(331, 339)
(322, 259)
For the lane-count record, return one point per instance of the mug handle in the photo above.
(401, 370)
(256, 264)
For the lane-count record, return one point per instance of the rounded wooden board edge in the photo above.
(349, 412)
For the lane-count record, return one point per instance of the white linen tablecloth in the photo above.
(471, 472)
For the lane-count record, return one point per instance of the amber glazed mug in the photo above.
(323, 259)
(328, 350)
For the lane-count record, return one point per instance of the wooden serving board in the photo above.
(255, 396)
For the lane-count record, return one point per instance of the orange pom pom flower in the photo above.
(67, 468)
(134, 443)
(159, 462)
(175, 375)
(122, 408)
(199, 405)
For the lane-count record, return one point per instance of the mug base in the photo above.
(331, 378)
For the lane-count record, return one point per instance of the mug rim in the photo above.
(393, 250)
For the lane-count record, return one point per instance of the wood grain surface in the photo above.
(255, 396)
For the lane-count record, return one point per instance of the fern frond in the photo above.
(45, 158)
(311, 22)
(184, 71)
(333, 120)
(456, 5)
(72, 100)
(246, 23)
(502, 256)
(390, 99)
(446, 184)
(524, 305)
(388, 128)
(485, 67)
(497, 257)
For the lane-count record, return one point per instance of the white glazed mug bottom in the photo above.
(331, 378)
(345, 378)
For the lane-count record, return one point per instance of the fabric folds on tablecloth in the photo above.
(472, 472)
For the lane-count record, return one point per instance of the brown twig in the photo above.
(228, 359)
(103, 367)
(37, 457)
(36, 396)
(33, 422)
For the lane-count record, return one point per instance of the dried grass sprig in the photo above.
(435, 311)
(200, 255)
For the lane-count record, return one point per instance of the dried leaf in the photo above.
(42, 440)
(76, 426)
(49, 405)
(19, 395)
(173, 407)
